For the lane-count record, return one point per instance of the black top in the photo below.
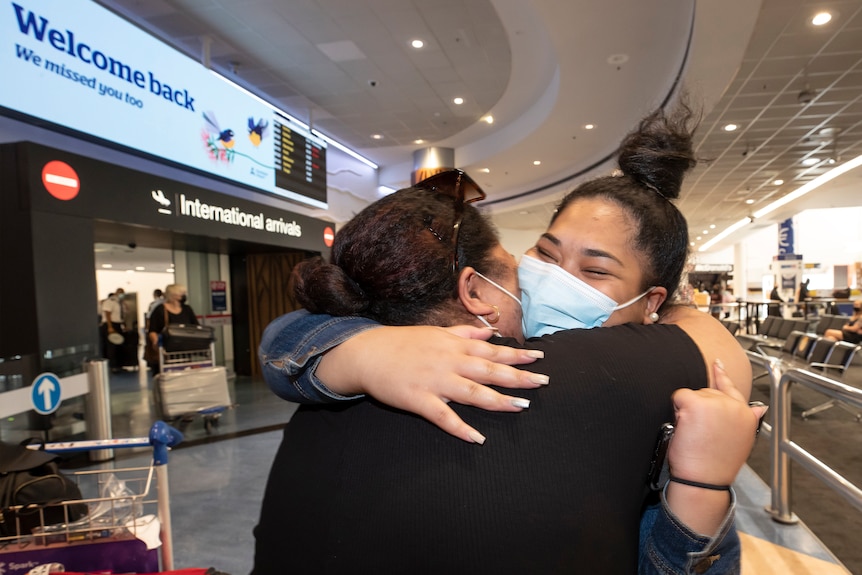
(157, 319)
(363, 488)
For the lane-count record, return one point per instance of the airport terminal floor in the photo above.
(217, 481)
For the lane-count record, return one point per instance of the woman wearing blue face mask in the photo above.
(380, 488)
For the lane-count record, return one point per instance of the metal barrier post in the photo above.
(98, 404)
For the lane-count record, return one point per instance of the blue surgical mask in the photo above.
(502, 289)
(552, 299)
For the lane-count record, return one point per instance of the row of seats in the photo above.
(837, 360)
(773, 331)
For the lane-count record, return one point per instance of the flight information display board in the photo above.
(300, 162)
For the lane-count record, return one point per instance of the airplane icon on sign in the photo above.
(159, 197)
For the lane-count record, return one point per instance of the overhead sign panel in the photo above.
(77, 65)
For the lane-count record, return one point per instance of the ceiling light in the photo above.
(107, 266)
(809, 161)
(130, 271)
(485, 170)
(589, 126)
(537, 162)
(170, 270)
(376, 136)
(749, 201)
(777, 182)
(705, 232)
(712, 226)
(489, 119)
(385, 190)
(697, 238)
(691, 244)
(458, 101)
(821, 18)
(140, 268)
(730, 127)
(419, 141)
(417, 43)
(811, 186)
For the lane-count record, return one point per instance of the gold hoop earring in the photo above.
(497, 316)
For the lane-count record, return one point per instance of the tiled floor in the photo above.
(217, 482)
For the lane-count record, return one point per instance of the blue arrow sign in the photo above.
(46, 393)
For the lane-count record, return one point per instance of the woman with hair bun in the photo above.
(562, 487)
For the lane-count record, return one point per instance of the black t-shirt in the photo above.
(157, 319)
(364, 488)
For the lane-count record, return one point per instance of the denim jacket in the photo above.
(291, 349)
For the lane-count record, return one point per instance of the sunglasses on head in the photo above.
(457, 185)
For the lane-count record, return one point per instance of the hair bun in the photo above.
(660, 151)
(321, 287)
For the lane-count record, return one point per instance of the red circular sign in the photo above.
(328, 236)
(60, 180)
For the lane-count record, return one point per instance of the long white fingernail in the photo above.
(539, 378)
(520, 402)
(476, 437)
(535, 353)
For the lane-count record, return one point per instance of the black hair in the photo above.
(393, 261)
(653, 160)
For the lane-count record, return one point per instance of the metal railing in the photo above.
(782, 449)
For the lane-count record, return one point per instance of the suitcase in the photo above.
(182, 337)
(192, 391)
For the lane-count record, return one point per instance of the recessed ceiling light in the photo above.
(821, 18)
(777, 182)
(130, 271)
(419, 141)
(458, 101)
(712, 226)
(107, 266)
(489, 119)
(691, 243)
(485, 170)
(589, 126)
(705, 232)
(140, 268)
(749, 202)
(417, 43)
(537, 162)
(697, 238)
(376, 136)
(730, 127)
(809, 161)
(170, 270)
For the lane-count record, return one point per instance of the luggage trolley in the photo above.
(190, 384)
(109, 535)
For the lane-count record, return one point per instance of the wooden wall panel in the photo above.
(269, 295)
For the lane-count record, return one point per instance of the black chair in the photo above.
(778, 325)
(766, 325)
(843, 364)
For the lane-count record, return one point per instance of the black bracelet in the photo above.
(699, 484)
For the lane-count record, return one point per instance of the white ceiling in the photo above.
(544, 69)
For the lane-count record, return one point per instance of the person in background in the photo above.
(774, 309)
(112, 323)
(852, 330)
(158, 299)
(174, 310)
(715, 299)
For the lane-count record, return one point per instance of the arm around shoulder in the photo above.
(292, 347)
